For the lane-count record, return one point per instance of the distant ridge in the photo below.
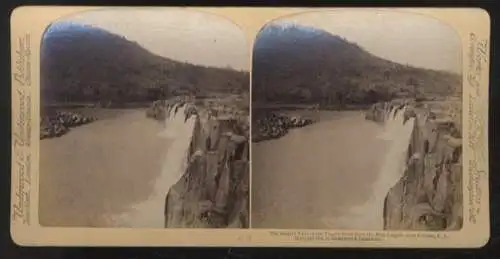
(82, 63)
(300, 64)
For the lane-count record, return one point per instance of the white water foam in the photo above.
(369, 216)
(177, 134)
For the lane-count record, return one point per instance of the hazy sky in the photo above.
(195, 37)
(203, 38)
(397, 36)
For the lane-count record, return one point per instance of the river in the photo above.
(321, 176)
(101, 170)
(115, 172)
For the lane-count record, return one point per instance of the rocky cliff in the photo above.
(429, 195)
(213, 192)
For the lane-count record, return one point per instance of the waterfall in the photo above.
(397, 133)
(177, 134)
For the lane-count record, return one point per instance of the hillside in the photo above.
(298, 64)
(80, 63)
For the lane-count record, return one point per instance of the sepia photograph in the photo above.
(249, 127)
(144, 120)
(357, 122)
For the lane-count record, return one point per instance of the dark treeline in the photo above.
(297, 64)
(80, 63)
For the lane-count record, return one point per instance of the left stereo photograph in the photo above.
(144, 121)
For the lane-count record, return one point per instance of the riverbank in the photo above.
(267, 125)
(429, 195)
(59, 123)
(274, 121)
(57, 120)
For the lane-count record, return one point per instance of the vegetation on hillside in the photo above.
(85, 64)
(298, 64)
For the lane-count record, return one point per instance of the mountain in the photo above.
(300, 64)
(81, 63)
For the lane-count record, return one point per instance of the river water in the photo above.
(100, 169)
(114, 172)
(324, 176)
(176, 135)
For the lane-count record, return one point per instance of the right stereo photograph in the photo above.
(357, 123)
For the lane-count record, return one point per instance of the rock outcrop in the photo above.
(60, 122)
(213, 192)
(429, 195)
(271, 125)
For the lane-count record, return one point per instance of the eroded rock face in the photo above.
(429, 195)
(213, 192)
